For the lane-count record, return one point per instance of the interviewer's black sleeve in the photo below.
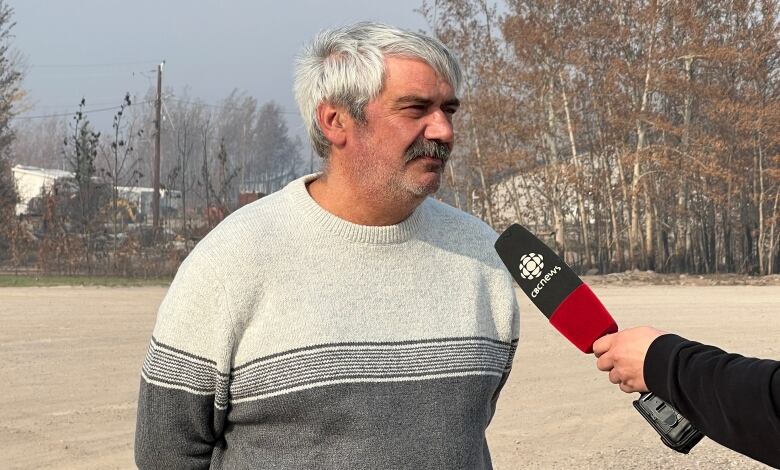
(733, 400)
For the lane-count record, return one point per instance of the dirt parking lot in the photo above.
(71, 359)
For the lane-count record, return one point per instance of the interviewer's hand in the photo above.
(623, 354)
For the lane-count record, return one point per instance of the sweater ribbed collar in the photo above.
(381, 235)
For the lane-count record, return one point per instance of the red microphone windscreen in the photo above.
(582, 318)
(554, 288)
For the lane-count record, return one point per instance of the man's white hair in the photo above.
(346, 67)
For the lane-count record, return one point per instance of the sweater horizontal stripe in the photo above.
(329, 364)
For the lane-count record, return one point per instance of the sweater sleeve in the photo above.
(733, 400)
(184, 380)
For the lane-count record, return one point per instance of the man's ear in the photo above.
(334, 122)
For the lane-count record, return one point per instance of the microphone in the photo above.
(575, 311)
(572, 308)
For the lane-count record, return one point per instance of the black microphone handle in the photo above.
(675, 430)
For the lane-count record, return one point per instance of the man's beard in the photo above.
(428, 148)
(395, 184)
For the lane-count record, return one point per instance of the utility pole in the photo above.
(157, 127)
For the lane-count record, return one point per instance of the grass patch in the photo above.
(26, 280)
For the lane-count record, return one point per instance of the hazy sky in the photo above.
(100, 49)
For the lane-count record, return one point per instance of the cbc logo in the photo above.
(531, 266)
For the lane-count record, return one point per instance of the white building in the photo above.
(31, 180)
(170, 201)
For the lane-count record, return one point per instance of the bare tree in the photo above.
(81, 150)
(120, 169)
(275, 157)
(10, 95)
(39, 142)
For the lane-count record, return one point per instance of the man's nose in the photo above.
(439, 127)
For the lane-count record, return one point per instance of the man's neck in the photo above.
(360, 205)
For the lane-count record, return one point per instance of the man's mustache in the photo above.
(430, 148)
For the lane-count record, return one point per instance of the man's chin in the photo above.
(426, 185)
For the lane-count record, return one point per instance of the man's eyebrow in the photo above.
(425, 101)
(413, 99)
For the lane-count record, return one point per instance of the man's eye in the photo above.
(450, 110)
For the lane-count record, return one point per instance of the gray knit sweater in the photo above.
(291, 338)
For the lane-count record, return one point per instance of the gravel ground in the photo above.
(72, 355)
(559, 411)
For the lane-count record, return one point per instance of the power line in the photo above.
(107, 64)
(101, 110)
(86, 111)
(93, 102)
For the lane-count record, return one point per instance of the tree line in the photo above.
(630, 134)
(210, 154)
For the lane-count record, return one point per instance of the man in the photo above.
(348, 320)
(733, 400)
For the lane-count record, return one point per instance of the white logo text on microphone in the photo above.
(531, 266)
(543, 281)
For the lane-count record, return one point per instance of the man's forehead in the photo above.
(397, 67)
(409, 78)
